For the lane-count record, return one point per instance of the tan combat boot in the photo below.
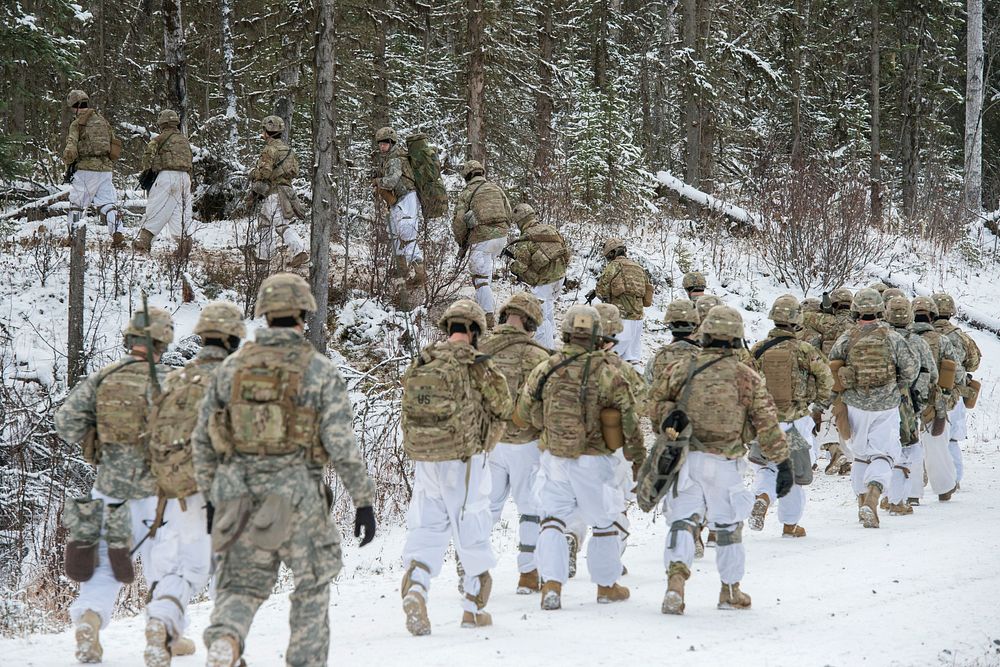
(551, 595)
(157, 653)
(88, 640)
(899, 509)
(793, 530)
(731, 597)
(479, 618)
(182, 646)
(759, 512)
(861, 503)
(912, 501)
(884, 503)
(612, 593)
(414, 603)
(673, 599)
(143, 242)
(837, 459)
(224, 652)
(299, 259)
(528, 583)
(869, 506)
(945, 497)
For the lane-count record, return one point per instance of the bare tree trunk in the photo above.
(176, 62)
(476, 83)
(706, 108)
(795, 76)
(543, 96)
(661, 115)
(692, 115)
(77, 266)
(228, 80)
(912, 59)
(601, 46)
(325, 159)
(875, 174)
(380, 89)
(288, 79)
(974, 108)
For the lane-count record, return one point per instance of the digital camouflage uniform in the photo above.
(271, 183)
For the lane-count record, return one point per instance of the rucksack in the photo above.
(95, 137)
(122, 404)
(568, 419)
(551, 255)
(871, 359)
(488, 204)
(629, 281)
(427, 179)
(778, 364)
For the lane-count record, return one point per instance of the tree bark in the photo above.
(380, 89)
(74, 340)
(912, 38)
(325, 159)
(875, 173)
(692, 113)
(476, 83)
(543, 96)
(176, 62)
(228, 79)
(288, 80)
(795, 78)
(974, 108)
(601, 46)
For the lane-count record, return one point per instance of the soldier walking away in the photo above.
(799, 381)
(694, 284)
(870, 363)
(180, 558)
(580, 401)
(625, 284)
(108, 413)
(722, 401)
(91, 147)
(480, 224)
(514, 461)
(167, 160)
(454, 410)
(272, 198)
(682, 319)
(540, 257)
(274, 414)
(395, 184)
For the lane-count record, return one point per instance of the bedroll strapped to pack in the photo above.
(427, 176)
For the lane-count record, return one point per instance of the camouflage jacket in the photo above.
(630, 305)
(728, 406)
(394, 172)
(813, 379)
(885, 397)
(80, 145)
(681, 349)
(821, 330)
(490, 204)
(276, 166)
(607, 386)
(123, 471)
(970, 363)
(541, 254)
(928, 376)
(323, 390)
(945, 349)
(636, 383)
(515, 353)
(168, 151)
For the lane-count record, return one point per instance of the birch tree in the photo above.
(974, 108)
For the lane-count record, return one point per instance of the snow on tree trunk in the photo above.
(380, 81)
(974, 108)
(476, 84)
(173, 56)
(875, 173)
(228, 80)
(912, 38)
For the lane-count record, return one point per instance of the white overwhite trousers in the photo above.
(271, 222)
(169, 205)
(95, 187)
(907, 474)
(404, 227)
(629, 345)
(875, 445)
(939, 463)
(513, 469)
(547, 294)
(958, 418)
(451, 503)
(482, 261)
(765, 478)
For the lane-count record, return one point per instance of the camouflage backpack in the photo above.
(972, 356)
(569, 409)
(95, 136)
(870, 358)
(779, 365)
(515, 355)
(489, 204)
(714, 406)
(426, 172)
(440, 411)
(548, 262)
(123, 403)
(629, 281)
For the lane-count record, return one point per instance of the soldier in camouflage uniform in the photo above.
(514, 462)
(179, 561)
(454, 410)
(694, 284)
(799, 381)
(89, 146)
(876, 364)
(275, 413)
(169, 200)
(540, 257)
(395, 184)
(625, 284)
(581, 402)
(482, 218)
(892, 292)
(272, 197)
(107, 412)
(683, 319)
(725, 404)
(810, 305)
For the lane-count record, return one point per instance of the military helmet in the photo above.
(705, 303)
(582, 321)
(524, 304)
(467, 312)
(925, 304)
(898, 311)
(724, 323)
(785, 310)
(810, 305)
(868, 302)
(470, 168)
(841, 297)
(611, 319)
(272, 124)
(879, 287)
(386, 134)
(945, 304)
(694, 280)
(168, 117)
(681, 316)
(521, 213)
(891, 292)
(611, 245)
(221, 317)
(161, 327)
(75, 97)
(283, 295)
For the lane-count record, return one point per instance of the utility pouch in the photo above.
(271, 524)
(230, 520)
(973, 395)
(946, 374)
(611, 429)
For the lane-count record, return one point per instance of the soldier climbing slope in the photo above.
(625, 284)
(395, 184)
(694, 284)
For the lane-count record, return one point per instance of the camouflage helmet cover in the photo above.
(283, 295)
(694, 280)
(611, 319)
(221, 317)
(471, 167)
(705, 303)
(898, 311)
(868, 302)
(524, 304)
(945, 304)
(785, 310)
(168, 117)
(582, 322)
(810, 305)
(272, 124)
(522, 213)
(892, 292)
(879, 287)
(723, 322)
(682, 316)
(841, 295)
(612, 244)
(75, 97)
(161, 328)
(465, 311)
(925, 304)
(386, 134)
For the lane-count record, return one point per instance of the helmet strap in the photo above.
(708, 342)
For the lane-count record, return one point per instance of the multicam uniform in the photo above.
(625, 284)
(395, 178)
(540, 258)
(682, 317)
(271, 181)
(169, 201)
(88, 144)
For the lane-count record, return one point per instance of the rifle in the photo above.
(591, 295)
(586, 366)
(154, 380)
(70, 172)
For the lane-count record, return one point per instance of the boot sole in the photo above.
(156, 653)
(757, 515)
(220, 654)
(417, 622)
(551, 602)
(728, 606)
(88, 649)
(673, 604)
(868, 517)
(526, 590)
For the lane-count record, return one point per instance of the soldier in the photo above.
(454, 410)
(810, 305)
(272, 197)
(482, 218)
(799, 382)
(875, 362)
(540, 257)
(107, 413)
(181, 555)
(168, 156)
(913, 400)
(723, 401)
(694, 284)
(514, 462)
(971, 357)
(275, 413)
(879, 287)
(682, 318)
(625, 284)
(395, 184)
(891, 293)
(581, 402)
(833, 320)
(91, 147)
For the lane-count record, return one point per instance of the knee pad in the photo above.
(691, 525)
(528, 518)
(906, 471)
(485, 586)
(106, 211)
(552, 523)
(479, 280)
(408, 581)
(728, 534)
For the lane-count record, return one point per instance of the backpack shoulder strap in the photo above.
(768, 345)
(562, 364)
(693, 371)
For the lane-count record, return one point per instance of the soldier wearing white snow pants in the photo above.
(395, 184)
(547, 294)
(792, 507)
(625, 284)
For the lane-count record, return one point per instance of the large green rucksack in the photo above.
(427, 176)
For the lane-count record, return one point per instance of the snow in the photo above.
(707, 200)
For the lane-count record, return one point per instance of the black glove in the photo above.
(209, 516)
(591, 295)
(365, 520)
(785, 478)
(676, 420)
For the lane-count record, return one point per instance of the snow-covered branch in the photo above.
(691, 193)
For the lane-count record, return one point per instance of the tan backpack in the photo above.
(515, 356)
(489, 205)
(779, 365)
(569, 409)
(971, 355)
(715, 407)
(870, 358)
(629, 281)
(123, 404)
